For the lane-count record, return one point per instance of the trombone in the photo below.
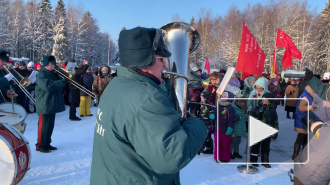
(61, 72)
(21, 84)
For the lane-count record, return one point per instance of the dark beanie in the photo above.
(48, 59)
(138, 47)
(4, 55)
(269, 95)
(22, 63)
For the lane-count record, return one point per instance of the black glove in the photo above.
(308, 75)
(274, 137)
(313, 118)
(65, 80)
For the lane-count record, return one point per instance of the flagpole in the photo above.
(274, 59)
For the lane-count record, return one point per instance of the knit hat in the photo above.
(48, 59)
(30, 64)
(22, 63)
(268, 95)
(138, 47)
(274, 80)
(226, 95)
(36, 65)
(251, 79)
(4, 55)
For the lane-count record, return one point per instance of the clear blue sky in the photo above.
(113, 15)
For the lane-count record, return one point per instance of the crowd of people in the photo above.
(139, 136)
(51, 91)
(262, 93)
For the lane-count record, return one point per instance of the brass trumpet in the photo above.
(24, 82)
(60, 71)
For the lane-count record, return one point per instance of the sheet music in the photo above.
(70, 66)
(33, 76)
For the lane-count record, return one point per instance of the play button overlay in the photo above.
(259, 130)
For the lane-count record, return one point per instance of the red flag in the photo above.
(284, 40)
(207, 66)
(251, 58)
(287, 59)
(274, 62)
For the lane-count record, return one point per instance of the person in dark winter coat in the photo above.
(101, 81)
(266, 113)
(21, 98)
(75, 92)
(49, 101)
(195, 90)
(275, 89)
(5, 79)
(139, 137)
(85, 99)
(225, 128)
(248, 85)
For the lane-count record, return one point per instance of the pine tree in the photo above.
(29, 35)
(59, 12)
(323, 54)
(60, 48)
(44, 28)
(4, 22)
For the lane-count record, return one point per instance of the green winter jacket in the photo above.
(138, 137)
(319, 88)
(48, 92)
(241, 117)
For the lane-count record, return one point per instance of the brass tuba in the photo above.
(180, 39)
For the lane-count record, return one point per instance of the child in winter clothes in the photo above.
(266, 113)
(239, 127)
(213, 85)
(226, 116)
(259, 88)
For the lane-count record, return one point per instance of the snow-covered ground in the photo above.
(71, 163)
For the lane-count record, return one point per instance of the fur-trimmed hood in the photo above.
(100, 72)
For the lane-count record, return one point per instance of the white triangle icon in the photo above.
(259, 130)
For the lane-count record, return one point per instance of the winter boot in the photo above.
(254, 160)
(296, 151)
(237, 155)
(208, 146)
(287, 115)
(232, 156)
(265, 160)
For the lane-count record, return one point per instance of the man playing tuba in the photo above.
(139, 136)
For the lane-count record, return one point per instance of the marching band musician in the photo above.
(139, 137)
(5, 92)
(49, 101)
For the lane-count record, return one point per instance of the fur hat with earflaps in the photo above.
(138, 47)
(4, 55)
(48, 59)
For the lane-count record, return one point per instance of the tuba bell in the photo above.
(180, 39)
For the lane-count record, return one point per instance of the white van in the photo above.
(293, 74)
